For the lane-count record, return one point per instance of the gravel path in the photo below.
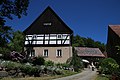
(87, 74)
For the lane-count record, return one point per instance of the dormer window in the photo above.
(47, 24)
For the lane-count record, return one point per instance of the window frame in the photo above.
(59, 53)
(45, 53)
(31, 53)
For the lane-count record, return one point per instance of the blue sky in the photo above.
(87, 18)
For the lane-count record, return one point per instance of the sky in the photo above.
(87, 18)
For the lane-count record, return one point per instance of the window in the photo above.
(45, 53)
(59, 36)
(47, 24)
(59, 53)
(31, 53)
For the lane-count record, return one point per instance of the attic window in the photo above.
(47, 24)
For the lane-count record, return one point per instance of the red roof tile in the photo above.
(116, 29)
(89, 52)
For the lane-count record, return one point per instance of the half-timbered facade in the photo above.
(50, 37)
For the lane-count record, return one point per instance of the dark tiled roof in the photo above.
(89, 52)
(116, 29)
(57, 26)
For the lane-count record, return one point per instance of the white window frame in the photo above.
(59, 54)
(45, 54)
(32, 53)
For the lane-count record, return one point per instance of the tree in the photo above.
(17, 41)
(13, 7)
(5, 36)
(8, 8)
(100, 45)
(5, 33)
(87, 42)
(76, 61)
(90, 42)
(77, 41)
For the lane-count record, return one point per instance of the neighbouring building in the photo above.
(113, 40)
(89, 55)
(50, 37)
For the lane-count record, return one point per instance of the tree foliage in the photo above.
(13, 7)
(5, 36)
(8, 8)
(117, 55)
(5, 33)
(17, 41)
(76, 61)
(79, 41)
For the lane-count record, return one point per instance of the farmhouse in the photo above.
(113, 41)
(50, 37)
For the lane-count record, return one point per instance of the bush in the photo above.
(65, 66)
(10, 65)
(58, 71)
(49, 63)
(30, 70)
(6, 56)
(108, 66)
(14, 69)
(38, 61)
(59, 65)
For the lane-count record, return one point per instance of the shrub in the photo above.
(58, 65)
(10, 65)
(29, 69)
(65, 66)
(49, 63)
(108, 66)
(58, 71)
(38, 60)
(6, 56)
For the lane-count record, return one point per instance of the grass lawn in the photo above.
(32, 78)
(100, 77)
(66, 73)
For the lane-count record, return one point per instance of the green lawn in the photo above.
(99, 77)
(32, 78)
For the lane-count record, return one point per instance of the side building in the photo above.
(50, 37)
(89, 56)
(113, 40)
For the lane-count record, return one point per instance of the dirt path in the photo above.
(87, 74)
